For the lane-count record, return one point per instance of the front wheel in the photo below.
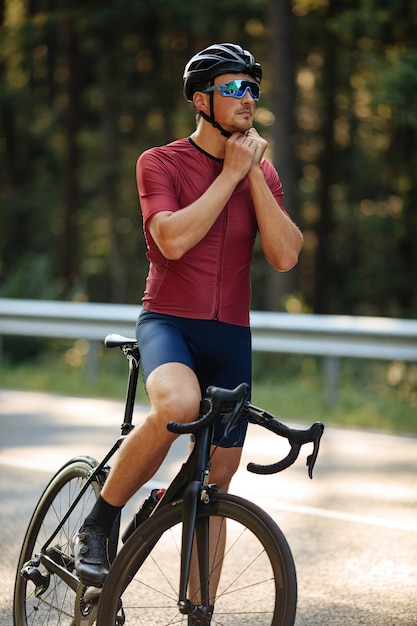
(254, 572)
(42, 598)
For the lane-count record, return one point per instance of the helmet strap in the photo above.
(210, 118)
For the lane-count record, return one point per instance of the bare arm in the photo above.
(280, 238)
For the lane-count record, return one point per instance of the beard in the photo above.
(241, 123)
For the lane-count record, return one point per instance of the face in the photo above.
(233, 114)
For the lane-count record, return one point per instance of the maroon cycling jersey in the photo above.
(211, 280)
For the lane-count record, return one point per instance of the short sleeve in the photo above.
(274, 182)
(156, 185)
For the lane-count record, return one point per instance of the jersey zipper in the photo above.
(220, 263)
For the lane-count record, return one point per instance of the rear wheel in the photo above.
(42, 598)
(257, 581)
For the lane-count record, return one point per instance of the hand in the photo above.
(260, 145)
(240, 152)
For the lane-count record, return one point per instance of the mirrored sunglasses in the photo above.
(236, 89)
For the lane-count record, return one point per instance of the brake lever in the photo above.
(317, 431)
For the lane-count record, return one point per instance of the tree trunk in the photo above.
(71, 199)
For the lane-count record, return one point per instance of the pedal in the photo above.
(91, 594)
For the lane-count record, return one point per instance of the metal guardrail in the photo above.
(66, 320)
(329, 336)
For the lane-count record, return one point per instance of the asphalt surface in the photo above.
(352, 530)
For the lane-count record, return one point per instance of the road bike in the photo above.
(201, 557)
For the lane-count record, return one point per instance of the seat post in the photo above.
(133, 357)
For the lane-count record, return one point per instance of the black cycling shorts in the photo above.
(218, 353)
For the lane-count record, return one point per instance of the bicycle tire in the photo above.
(258, 585)
(56, 606)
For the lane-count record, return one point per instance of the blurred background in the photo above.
(85, 87)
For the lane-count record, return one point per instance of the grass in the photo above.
(371, 394)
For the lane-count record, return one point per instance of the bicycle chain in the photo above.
(52, 606)
(65, 555)
(62, 612)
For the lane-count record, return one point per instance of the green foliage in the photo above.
(86, 87)
(83, 91)
(370, 394)
(358, 156)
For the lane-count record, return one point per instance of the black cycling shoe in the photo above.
(91, 558)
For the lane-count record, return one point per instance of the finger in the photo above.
(252, 132)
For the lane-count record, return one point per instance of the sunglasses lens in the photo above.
(254, 90)
(237, 88)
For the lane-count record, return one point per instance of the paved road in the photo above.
(353, 529)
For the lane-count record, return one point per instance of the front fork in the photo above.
(194, 526)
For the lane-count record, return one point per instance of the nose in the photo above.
(247, 97)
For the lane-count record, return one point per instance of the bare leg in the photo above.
(174, 394)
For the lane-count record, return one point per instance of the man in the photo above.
(203, 200)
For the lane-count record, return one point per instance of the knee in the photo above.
(176, 408)
(174, 394)
(171, 404)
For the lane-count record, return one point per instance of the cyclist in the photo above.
(203, 200)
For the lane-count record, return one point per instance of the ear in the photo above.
(201, 101)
